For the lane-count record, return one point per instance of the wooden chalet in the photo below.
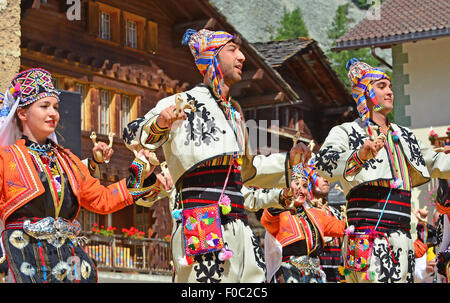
(324, 100)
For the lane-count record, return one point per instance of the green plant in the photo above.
(292, 25)
(109, 231)
(133, 232)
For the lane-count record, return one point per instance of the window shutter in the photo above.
(152, 37)
(115, 27)
(93, 20)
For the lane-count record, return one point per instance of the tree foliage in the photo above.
(339, 26)
(292, 25)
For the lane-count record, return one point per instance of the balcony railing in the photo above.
(123, 254)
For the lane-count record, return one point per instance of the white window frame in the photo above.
(104, 112)
(105, 26)
(131, 34)
(125, 112)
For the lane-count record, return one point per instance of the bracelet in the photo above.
(98, 163)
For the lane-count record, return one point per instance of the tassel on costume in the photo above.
(349, 230)
(187, 36)
(186, 260)
(344, 271)
(395, 136)
(225, 204)
(225, 254)
(176, 214)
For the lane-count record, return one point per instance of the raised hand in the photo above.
(370, 149)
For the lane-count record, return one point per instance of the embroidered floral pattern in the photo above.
(259, 253)
(129, 132)
(208, 269)
(355, 139)
(388, 271)
(326, 160)
(413, 145)
(201, 127)
(371, 163)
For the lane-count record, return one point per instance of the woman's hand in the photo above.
(144, 155)
(164, 181)
(104, 150)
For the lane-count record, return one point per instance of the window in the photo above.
(104, 119)
(131, 37)
(120, 27)
(284, 116)
(142, 219)
(104, 21)
(125, 112)
(81, 89)
(134, 30)
(87, 219)
(55, 81)
(105, 26)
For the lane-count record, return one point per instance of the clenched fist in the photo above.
(370, 149)
(169, 115)
(300, 153)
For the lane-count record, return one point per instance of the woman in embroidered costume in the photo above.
(299, 234)
(208, 157)
(331, 256)
(43, 186)
(377, 164)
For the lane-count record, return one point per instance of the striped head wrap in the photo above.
(205, 45)
(361, 76)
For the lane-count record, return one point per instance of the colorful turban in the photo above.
(204, 46)
(361, 76)
(25, 88)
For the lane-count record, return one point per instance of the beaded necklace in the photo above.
(234, 117)
(47, 161)
(309, 230)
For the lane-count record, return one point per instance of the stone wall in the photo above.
(9, 41)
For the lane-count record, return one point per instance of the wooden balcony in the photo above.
(123, 254)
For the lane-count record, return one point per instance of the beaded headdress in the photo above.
(307, 173)
(25, 88)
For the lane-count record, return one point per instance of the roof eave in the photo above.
(388, 41)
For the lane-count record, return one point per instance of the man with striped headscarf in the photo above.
(209, 160)
(377, 163)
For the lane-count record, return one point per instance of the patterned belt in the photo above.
(309, 266)
(303, 262)
(53, 231)
(366, 204)
(204, 185)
